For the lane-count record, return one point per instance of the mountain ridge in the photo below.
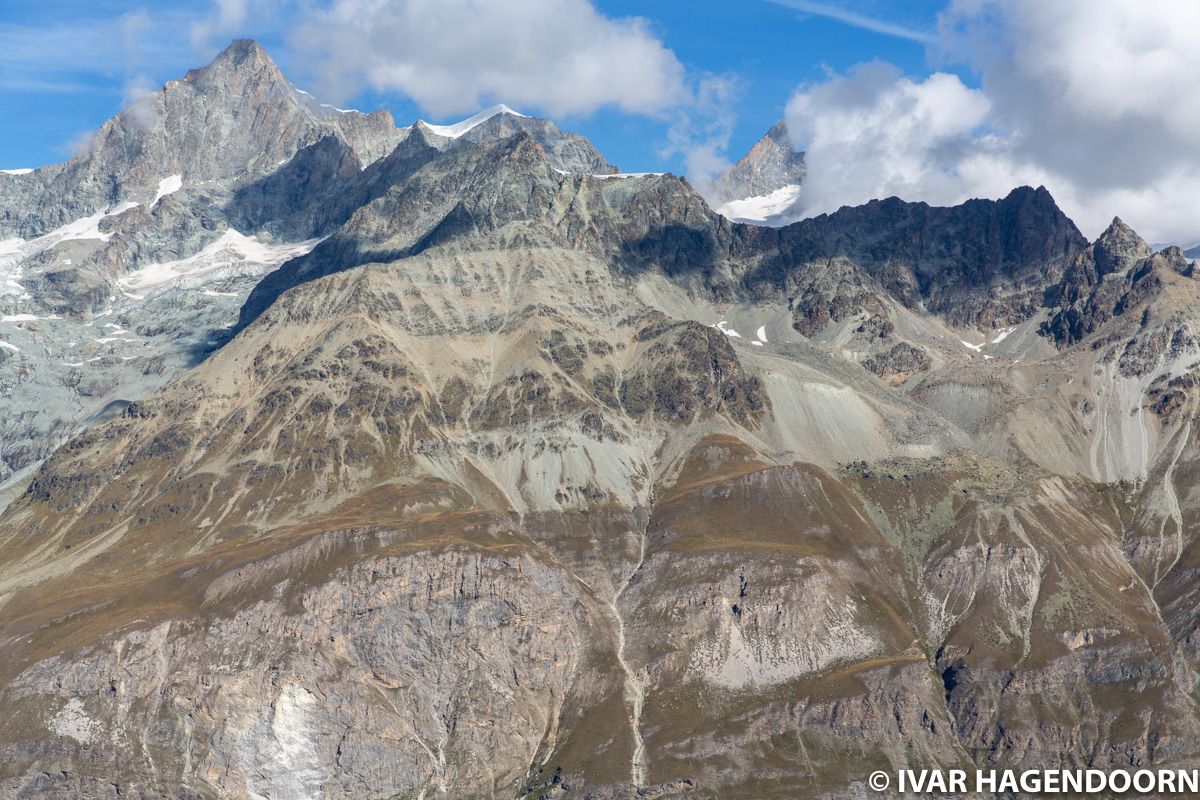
(315, 166)
(512, 479)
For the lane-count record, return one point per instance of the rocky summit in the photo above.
(347, 460)
(764, 186)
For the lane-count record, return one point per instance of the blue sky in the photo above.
(63, 89)
(768, 48)
(933, 100)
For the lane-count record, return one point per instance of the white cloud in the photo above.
(856, 20)
(78, 144)
(701, 129)
(875, 133)
(139, 102)
(228, 18)
(1096, 99)
(455, 56)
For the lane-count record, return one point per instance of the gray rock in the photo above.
(522, 481)
(771, 164)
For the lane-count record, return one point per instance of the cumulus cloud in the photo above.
(560, 59)
(875, 133)
(1096, 99)
(455, 56)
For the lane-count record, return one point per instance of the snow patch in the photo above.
(313, 101)
(607, 175)
(761, 333)
(727, 331)
(762, 207)
(167, 186)
(13, 251)
(21, 171)
(7, 346)
(231, 255)
(86, 228)
(459, 128)
(19, 318)
(1002, 335)
(978, 348)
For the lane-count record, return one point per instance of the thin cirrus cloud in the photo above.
(857, 20)
(701, 129)
(1095, 99)
(85, 55)
(54, 59)
(73, 55)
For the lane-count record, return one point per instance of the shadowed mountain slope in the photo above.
(531, 482)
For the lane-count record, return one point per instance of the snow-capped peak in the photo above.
(459, 128)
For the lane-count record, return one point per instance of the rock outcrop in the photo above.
(521, 478)
(770, 165)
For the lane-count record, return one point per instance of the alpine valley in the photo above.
(344, 460)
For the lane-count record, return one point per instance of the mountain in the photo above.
(236, 116)
(764, 185)
(568, 151)
(516, 476)
(125, 266)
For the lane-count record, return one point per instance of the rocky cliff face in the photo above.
(137, 253)
(764, 186)
(516, 480)
(236, 116)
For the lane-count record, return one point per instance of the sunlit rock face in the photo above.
(449, 461)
